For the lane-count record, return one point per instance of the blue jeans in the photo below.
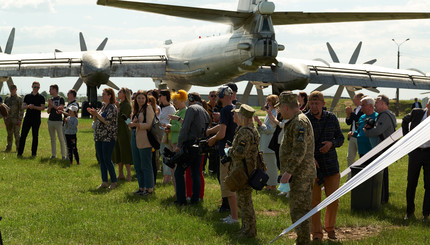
(142, 160)
(195, 176)
(104, 153)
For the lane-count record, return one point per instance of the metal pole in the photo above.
(397, 111)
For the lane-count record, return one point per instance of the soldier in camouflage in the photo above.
(297, 158)
(14, 119)
(244, 149)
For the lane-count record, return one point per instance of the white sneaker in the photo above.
(288, 195)
(281, 193)
(226, 218)
(230, 221)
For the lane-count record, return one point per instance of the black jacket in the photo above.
(353, 118)
(414, 117)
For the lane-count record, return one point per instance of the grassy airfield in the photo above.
(44, 201)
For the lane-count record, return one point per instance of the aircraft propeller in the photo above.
(8, 50)
(349, 89)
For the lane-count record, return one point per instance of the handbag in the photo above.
(258, 177)
(155, 133)
(273, 144)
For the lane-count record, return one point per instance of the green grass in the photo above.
(45, 201)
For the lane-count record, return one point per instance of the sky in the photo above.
(45, 25)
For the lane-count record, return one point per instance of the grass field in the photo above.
(44, 201)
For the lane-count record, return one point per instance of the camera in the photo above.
(370, 122)
(204, 147)
(181, 158)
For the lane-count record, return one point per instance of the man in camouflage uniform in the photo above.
(245, 148)
(14, 119)
(297, 158)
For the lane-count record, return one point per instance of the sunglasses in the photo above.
(35, 87)
(213, 95)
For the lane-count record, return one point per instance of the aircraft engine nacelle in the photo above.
(95, 69)
(290, 76)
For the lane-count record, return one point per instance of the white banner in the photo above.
(415, 138)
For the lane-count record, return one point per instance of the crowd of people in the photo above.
(298, 139)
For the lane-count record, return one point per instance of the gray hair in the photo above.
(369, 100)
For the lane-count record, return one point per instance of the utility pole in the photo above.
(398, 67)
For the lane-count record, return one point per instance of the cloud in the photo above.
(27, 5)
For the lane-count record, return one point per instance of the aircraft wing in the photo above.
(296, 74)
(121, 63)
(290, 18)
(212, 15)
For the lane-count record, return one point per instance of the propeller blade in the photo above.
(351, 93)
(10, 40)
(58, 51)
(332, 53)
(112, 85)
(102, 45)
(354, 56)
(78, 84)
(375, 90)
(370, 62)
(9, 82)
(425, 93)
(1, 51)
(82, 42)
(323, 87)
(336, 97)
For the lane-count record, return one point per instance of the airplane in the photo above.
(248, 53)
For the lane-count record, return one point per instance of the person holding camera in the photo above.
(327, 136)
(122, 152)
(244, 150)
(352, 117)
(385, 125)
(266, 131)
(194, 126)
(367, 120)
(223, 133)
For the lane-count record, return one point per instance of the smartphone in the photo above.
(267, 106)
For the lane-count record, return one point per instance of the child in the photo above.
(70, 130)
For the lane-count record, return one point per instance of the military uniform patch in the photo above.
(301, 135)
(241, 146)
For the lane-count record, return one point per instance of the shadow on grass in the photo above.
(56, 161)
(274, 195)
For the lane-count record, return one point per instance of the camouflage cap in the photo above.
(245, 110)
(286, 97)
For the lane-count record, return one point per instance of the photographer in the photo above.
(367, 120)
(194, 126)
(386, 124)
(224, 132)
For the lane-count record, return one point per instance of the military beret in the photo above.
(286, 97)
(245, 110)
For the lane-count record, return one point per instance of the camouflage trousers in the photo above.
(300, 204)
(244, 201)
(12, 130)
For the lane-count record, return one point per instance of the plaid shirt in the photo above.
(326, 129)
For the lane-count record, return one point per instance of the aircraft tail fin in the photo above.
(212, 15)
